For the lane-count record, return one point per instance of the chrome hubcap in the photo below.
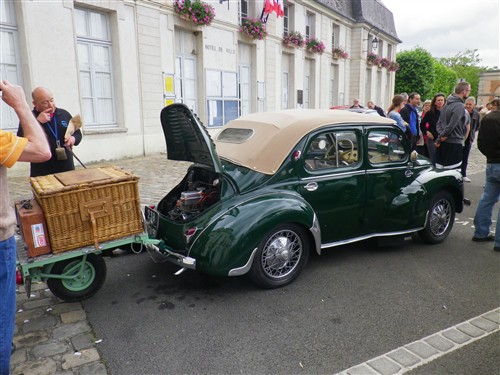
(440, 217)
(281, 253)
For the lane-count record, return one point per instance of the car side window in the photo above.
(385, 147)
(334, 149)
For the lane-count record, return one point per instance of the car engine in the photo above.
(198, 191)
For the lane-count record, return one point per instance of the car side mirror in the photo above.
(413, 156)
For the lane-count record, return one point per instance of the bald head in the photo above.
(43, 100)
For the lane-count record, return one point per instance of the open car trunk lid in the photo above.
(186, 137)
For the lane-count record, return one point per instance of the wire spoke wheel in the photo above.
(281, 255)
(440, 220)
(440, 217)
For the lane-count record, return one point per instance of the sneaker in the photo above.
(496, 248)
(488, 238)
(467, 179)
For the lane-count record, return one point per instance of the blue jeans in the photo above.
(491, 194)
(7, 301)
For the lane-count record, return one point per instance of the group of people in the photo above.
(445, 131)
(447, 128)
(41, 141)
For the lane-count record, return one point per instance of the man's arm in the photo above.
(37, 149)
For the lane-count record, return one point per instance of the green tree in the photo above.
(466, 65)
(416, 72)
(446, 79)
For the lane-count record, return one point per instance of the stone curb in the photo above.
(420, 352)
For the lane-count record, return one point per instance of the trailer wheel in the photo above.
(81, 285)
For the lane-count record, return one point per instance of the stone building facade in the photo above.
(119, 62)
(489, 86)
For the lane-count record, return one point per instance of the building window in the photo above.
(185, 69)
(185, 81)
(308, 84)
(389, 51)
(380, 48)
(310, 32)
(10, 67)
(333, 89)
(245, 78)
(335, 35)
(286, 85)
(95, 66)
(243, 10)
(222, 97)
(288, 21)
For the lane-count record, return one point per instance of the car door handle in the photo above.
(408, 173)
(311, 186)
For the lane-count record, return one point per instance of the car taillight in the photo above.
(19, 277)
(190, 232)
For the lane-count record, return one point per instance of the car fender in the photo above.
(229, 241)
(450, 181)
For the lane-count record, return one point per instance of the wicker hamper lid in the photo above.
(71, 180)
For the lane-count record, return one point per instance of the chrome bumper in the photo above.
(181, 260)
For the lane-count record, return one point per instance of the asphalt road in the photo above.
(349, 305)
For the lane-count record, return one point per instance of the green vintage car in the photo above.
(273, 187)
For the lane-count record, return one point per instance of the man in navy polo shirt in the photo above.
(54, 122)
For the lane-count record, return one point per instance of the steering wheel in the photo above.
(350, 156)
(330, 153)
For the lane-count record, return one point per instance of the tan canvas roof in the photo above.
(276, 133)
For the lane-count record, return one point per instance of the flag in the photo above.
(271, 6)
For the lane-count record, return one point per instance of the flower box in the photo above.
(339, 53)
(253, 28)
(294, 39)
(314, 45)
(197, 12)
(372, 58)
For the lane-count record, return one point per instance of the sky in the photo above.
(447, 27)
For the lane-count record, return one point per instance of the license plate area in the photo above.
(152, 221)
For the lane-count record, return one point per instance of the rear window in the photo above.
(232, 135)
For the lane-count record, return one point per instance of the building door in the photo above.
(245, 79)
(285, 82)
(185, 70)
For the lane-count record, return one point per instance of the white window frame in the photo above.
(335, 35)
(221, 88)
(182, 81)
(286, 19)
(285, 90)
(244, 9)
(245, 89)
(10, 70)
(310, 20)
(92, 42)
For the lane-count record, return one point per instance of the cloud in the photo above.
(447, 27)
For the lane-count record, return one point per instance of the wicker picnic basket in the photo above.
(88, 206)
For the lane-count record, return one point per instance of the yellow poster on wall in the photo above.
(169, 85)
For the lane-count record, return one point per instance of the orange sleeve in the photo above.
(11, 148)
